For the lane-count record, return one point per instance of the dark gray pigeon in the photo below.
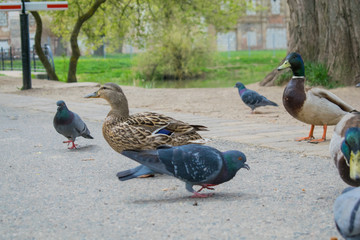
(251, 98)
(347, 213)
(194, 164)
(69, 124)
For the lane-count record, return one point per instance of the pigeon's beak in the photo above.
(246, 166)
(286, 64)
(92, 95)
(355, 166)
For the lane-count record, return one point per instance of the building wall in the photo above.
(265, 28)
(10, 32)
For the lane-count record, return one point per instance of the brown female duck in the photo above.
(141, 131)
(313, 106)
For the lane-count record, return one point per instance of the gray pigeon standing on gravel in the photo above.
(251, 98)
(69, 124)
(347, 213)
(194, 164)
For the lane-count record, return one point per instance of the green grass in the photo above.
(229, 68)
(316, 75)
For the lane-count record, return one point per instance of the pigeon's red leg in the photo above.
(207, 186)
(201, 195)
(73, 144)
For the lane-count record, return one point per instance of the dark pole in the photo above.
(25, 48)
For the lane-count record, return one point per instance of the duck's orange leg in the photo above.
(311, 135)
(323, 138)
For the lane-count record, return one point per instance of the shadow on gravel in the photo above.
(84, 148)
(217, 197)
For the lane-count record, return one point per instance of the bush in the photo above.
(316, 75)
(179, 54)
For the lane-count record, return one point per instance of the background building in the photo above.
(10, 32)
(265, 28)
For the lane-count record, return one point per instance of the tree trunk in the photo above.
(327, 32)
(49, 69)
(75, 51)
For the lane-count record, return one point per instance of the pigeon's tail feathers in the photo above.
(149, 158)
(134, 173)
(273, 103)
(86, 135)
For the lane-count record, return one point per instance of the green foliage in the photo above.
(316, 75)
(227, 68)
(176, 38)
(180, 54)
(109, 24)
(114, 68)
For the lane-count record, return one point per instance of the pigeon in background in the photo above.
(251, 98)
(347, 213)
(194, 164)
(69, 124)
(358, 85)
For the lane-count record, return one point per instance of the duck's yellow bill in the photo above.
(355, 166)
(286, 64)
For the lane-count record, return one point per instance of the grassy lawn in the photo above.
(229, 67)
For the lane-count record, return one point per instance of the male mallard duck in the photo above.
(345, 148)
(141, 131)
(314, 106)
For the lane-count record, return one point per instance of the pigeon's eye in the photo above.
(240, 158)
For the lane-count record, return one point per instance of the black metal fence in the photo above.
(11, 59)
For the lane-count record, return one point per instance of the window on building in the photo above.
(275, 6)
(251, 7)
(276, 38)
(3, 19)
(4, 44)
(251, 38)
(226, 41)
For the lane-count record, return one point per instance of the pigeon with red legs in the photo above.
(193, 164)
(69, 124)
(252, 99)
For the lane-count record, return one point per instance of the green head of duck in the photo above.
(295, 62)
(351, 150)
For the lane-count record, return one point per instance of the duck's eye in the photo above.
(104, 88)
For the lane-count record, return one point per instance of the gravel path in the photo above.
(50, 192)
